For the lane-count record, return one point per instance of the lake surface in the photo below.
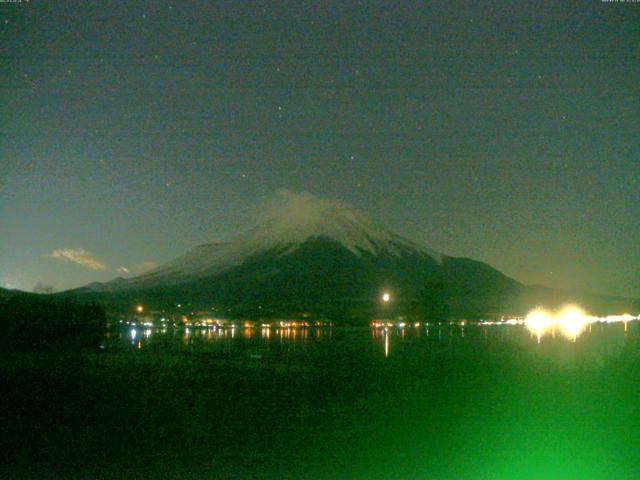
(438, 402)
(597, 342)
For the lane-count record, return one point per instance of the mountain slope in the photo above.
(304, 217)
(317, 256)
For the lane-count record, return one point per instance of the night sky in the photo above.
(508, 132)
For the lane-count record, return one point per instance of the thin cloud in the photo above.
(124, 270)
(146, 266)
(79, 256)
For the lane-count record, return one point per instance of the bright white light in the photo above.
(133, 334)
(625, 317)
(571, 320)
(538, 321)
(386, 297)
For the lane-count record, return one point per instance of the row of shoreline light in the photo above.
(570, 321)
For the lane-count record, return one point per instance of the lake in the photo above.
(436, 402)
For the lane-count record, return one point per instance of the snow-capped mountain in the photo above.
(301, 218)
(317, 255)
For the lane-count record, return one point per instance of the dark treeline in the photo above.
(39, 322)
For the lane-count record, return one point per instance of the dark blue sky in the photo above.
(502, 131)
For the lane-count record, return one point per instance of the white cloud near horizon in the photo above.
(78, 256)
(123, 269)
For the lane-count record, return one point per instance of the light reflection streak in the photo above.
(386, 344)
(247, 332)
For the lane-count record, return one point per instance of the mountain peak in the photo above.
(305, 209)
(290, 220)
(298, 217)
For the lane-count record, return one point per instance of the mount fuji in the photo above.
(302, 220)
(317, 256)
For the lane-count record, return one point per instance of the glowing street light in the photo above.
(571, 320)
(139, 308)
(386, 297)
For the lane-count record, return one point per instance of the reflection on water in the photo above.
(477, 401)
(538, 334)
(386, 343)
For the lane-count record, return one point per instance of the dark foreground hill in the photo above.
(42, 322)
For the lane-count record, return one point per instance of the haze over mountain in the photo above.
(321, 257)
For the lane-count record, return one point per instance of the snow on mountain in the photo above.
(297, 219)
